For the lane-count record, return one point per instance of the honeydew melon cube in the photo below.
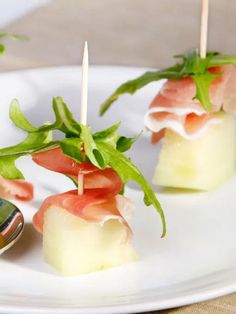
(200, 164)
(74, 246)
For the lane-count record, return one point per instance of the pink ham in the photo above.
(20, 189)
(100, 201)
(90, 206)
(55, 160)
(174, 107)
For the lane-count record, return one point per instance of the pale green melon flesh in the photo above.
(74, 246)
(201, 164)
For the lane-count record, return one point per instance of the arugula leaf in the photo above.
(91, 149)
(132, 86)
(8, 156)
(191, 62)
(108, 135)
(4, 35)
(64, 118)
(197, 68)
(202, 82)
(191, 65)
(2, 49)
(124, 143)
(104, 134)
(13, 36)
(65, 121)
(194, 64)
(19, 119)
(72, 148)
(128, 171)
(219, 60)
(8, 168)
(32, 143)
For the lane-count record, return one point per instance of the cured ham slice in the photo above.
(98, 203)
(88, 206)
(174, 107)
(56, 160)
(100, 200)
(189, 126)
(20, 189)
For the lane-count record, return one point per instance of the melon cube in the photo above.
(74, 246)
(200, 164)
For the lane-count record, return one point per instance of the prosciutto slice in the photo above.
(100, 200)
(20, 189)
(174, 107)
(55, 160)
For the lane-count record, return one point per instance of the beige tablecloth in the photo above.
(127, 32)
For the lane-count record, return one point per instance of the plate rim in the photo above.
(192, 298)
(126, 309)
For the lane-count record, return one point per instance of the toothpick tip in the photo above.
(86, 47)
(204, 28)
(85, 54)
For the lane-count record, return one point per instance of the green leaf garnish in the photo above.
(72, 148)
(128, 171)
(2, 49)
(125, 143)
(8, 168)
(64, 122)
(132, 86)
(202, 82)
(34, 142)
(19, 119)
(13, 36)
(191, 66)
(219, 60)
(102, 148)
(91, 149)
(108, 135)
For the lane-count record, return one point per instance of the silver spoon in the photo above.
(11, 224)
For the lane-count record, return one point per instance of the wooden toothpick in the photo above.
(204, 28)
(84, 86)
(84, 106)
(80, 183)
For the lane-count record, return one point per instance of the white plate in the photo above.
(195, 262)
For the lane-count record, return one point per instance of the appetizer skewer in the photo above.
(194, 115)
(89, 224)
(91, 227)
(84, 105)
(88, 231)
